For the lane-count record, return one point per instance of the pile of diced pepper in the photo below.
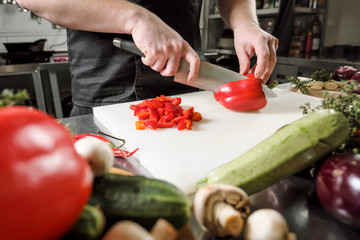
(164, 112)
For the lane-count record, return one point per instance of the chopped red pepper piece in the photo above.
(181, 124)
(168, 117)
(122, 153)
(196, 116)
(153, 103)
(161, 111)
(140, 125)
(188, 113)
(162, 124)
(143, 115)
(154, 115)
(151, 124)
(177, 119)
(170, 108)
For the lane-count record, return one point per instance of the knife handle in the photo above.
(128, 46)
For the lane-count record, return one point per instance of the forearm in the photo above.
(89, 15)
(237, 12)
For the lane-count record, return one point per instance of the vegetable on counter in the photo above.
(344, 73)
(289, 150)
(115, 149)
(356, 77)
(97, 153)
(164, 112)
(242, 95)
(221, 209)
(346, 103)
(267, 224)
(44, 183)
(338, 187)
(129, 230)
(89, 226)
(140, 199)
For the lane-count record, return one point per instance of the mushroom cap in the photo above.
(208, 196)
(97, 153)
(266, 224)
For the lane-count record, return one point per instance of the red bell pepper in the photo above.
(242, 95)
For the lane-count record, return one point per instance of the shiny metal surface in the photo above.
(294, 197)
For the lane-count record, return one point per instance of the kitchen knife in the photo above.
(210, 77)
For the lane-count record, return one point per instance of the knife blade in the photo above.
(210, 76)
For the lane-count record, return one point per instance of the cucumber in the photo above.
(140, 199)
(289, 150)
(89, 226)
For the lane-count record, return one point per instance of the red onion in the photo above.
(356, 77)
(344, 73)
(338, 187)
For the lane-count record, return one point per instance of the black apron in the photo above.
(103, 74)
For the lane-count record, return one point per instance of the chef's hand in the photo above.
(250, 39)
(163, 47)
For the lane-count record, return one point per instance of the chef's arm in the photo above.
(249, 38)
(162, 46)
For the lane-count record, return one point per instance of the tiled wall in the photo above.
(18, 26)
(343, 23)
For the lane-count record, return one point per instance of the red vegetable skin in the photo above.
(242, 95)
(356, 77)
(164, 112)
(344, 73)
(44, 183)
(338, 187)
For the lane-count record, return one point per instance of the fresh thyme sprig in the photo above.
(321, 75)
(302, 85)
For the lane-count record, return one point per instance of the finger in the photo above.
(194, 61)
(149, 60)
(263, 54)
(160, 63)
(171, 66)
(271, 63)
(272, 45)
(244, 62)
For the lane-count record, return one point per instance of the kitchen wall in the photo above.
(343, 23)
(16, 26)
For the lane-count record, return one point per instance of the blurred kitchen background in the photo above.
(313, 34)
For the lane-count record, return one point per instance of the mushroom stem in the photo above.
(229, 218)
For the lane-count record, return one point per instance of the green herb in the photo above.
(346, 102)
(302, 85)
(321, 75)
(9, 98)
(273, 84)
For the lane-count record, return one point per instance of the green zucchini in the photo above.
(289, 150)
(89, 226)
(140, 199)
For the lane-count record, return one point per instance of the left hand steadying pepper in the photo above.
(242, 95)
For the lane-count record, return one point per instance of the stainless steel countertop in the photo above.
(294, 197)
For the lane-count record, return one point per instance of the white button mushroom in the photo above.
(98, 154)
(267, 224)
(221, 209)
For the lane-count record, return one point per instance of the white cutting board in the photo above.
(184, 157)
